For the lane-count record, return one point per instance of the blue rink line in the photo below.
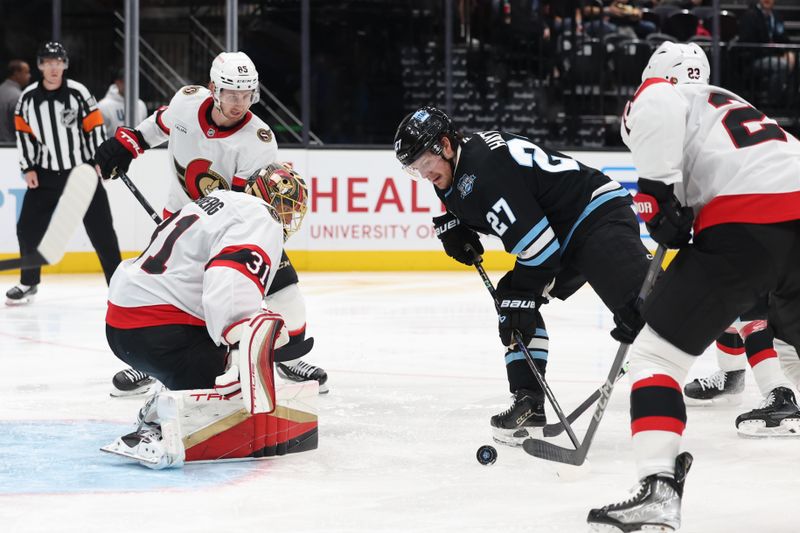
(64, 457)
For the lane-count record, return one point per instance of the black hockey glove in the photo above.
(629, 322)
(455, 237)
(668, 222)
(117, 152)
(518, 310)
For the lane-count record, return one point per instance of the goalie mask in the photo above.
(285, 192)
(678, 63)
(420, 132)
(234, 71)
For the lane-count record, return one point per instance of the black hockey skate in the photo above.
(656, 506)
(130, 382)
(527, 411)
(18, 295)
(719, 388)
(778, 416)
(302, 371)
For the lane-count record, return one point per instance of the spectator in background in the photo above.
(112, 106)
(761, 24)
(618, 16)
(17, 78)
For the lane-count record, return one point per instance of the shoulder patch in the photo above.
(190, 89)
(465, 184)
(264, 135)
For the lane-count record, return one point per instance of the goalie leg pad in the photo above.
(256, 361)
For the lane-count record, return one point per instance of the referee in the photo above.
(58, 127)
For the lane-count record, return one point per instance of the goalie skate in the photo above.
(147, 447)
(778, 416)
(17, 295)
(720, 388)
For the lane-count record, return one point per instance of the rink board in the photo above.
(364, 212)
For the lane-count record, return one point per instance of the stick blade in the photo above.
(550, 452)
(72, 206)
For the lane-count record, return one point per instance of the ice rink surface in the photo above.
(415, 370)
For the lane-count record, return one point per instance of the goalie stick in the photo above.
(518, 339)
(69, 212)
(551, 452)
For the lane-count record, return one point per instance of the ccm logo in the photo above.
(446, 227)
(518, 304)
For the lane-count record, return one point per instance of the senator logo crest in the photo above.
(190, 90)
(264, 135)
(465, 184)
(68, 117)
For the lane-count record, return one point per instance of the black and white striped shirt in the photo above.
(57, 130)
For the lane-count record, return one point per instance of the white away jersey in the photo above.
(728, 161)
(209, 264)
(205, 157)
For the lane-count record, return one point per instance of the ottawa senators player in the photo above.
(178, 309)
(215, 143)
(719, 173)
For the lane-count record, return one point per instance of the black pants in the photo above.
(37, 209)
(610, 256)
(181, 357)
(723, 275)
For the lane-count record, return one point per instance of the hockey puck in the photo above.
(486, 455)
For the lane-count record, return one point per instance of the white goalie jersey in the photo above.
(208, 265)
(728, 161)
(205, 157)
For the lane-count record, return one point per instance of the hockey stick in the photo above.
(138, 195)
(522, 346)
(551, 452)
(69, 212)
(555, 429)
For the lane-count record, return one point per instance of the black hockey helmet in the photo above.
(421, 131)
(52, 50)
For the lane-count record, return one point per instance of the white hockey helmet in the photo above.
(235, 71)
(678, 63)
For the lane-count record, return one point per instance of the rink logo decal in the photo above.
(82, 468)
(465, 184)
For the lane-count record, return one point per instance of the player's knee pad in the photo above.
(652, 354)
(289, 303)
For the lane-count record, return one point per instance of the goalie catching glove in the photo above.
(456, 238)
(668, 222)
(117, 152)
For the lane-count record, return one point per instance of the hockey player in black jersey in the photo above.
(567, 223)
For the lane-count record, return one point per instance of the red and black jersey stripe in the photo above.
(248, 259)
(657, 405)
